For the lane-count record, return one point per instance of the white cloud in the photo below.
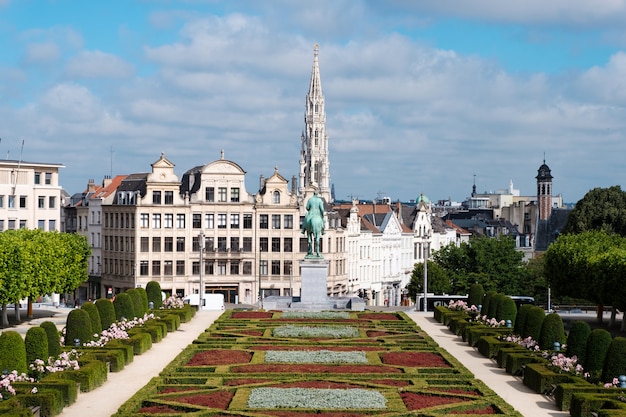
(41, 53)
(97, 64)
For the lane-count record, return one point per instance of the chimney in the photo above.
(294, 185)
(91, 186)
(106, 181)
(261, 182)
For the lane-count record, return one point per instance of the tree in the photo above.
(438, 280)
(600, 209)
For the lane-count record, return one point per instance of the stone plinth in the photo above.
(314, 275)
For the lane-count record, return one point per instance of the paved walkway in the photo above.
(120, 386)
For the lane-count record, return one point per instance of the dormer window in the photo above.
(276, 197)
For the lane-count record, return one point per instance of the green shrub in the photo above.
(598, 345)
(144, 299)
(106, 311)
(577, 340)
(123, 307)
(51, 402)
(507, 310)
(94, 316)
(615, 363)
(475, 295)
(135, 298)
(493, 305)
(153, 290)
(486, 302)
(12, 352)
(520, 319)
(54, 338)
(78, 327)
(552, 330)
(90, 376)
(534, 320)
(140, 341)
(36, 343)
(67, 388)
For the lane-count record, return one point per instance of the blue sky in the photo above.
(420, 95)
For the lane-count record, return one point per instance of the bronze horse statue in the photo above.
(313, 225)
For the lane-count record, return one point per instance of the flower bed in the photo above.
(219, 357)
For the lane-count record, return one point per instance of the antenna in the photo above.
(17, 171)
(111, 163)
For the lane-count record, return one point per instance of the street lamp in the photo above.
(426, 248)
(201, 247)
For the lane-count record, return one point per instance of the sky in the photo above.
(421, 96)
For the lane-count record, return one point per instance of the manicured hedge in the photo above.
(90, 376)
(520, 319)
(598, 345)
(475, 295)
(78, 327)
(507, 310)
(552, 330)
(144, 299)
(36, 343)
(106, 311)
(54, 338)
(577, 340)
(534, 320)
(135, 298)
(12, 352)
(615, 363)
(123, 305)
(486, 302)
(94, 316)
(153, 290)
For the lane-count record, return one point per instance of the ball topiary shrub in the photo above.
(123, 307)
(475, 295)
(94, 315)
(486, 302)
(552, 330)
(615, 362)
(507, 310)
(598, 345)
(493, 305)
(106, 311)
(534, 320)
(36, 343)
(12, 352)
(577, 341)
(144, 299)
(520, 319)
(153, 289)
(54, 338)
(78, 328)
(135, 298)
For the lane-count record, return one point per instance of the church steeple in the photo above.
(314, 164)
(544, 191)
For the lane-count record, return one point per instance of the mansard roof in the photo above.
(135, 182)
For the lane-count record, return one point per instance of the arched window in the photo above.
(276, 197)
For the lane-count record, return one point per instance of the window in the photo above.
(234, 244)
(234, 221)
(143, 268)
(221, 268)
(247, 244)
(11, 201)
(168, 220)
(156, 221)
(208, 268)
(221, 221)
(195, 268)
(209, 194)
(275, 267)
(196, 221)
(145, 244)
(41, 224)
(144, 219)
(11, 224)
(180, 267)
(52, 224)
(304, 244)
(195, 244)
(247, 268)
(167, 267)
(263, 244)
(180, 220)
(169, 197)
(275, 244)
(209, 221)
(221, 244)
(37, 178)
(180, 244)
(48, 178)
(156, 197)
(288, 221)
(22, 201)
(1, 201)
(263, 219)
(209, 243)
(41, 202)
(288, 244)
(287, 268)
(156, 244)
(156, 268)
(168, 244)
(276, 197)
(275, 221)
(234, 195)
(263, 267)
(247, 221)
(234, 268)
(221, 194)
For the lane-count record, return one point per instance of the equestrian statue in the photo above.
(313, 225)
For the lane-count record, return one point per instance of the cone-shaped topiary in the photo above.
(36, 343)
(534, 320)
(144, 300)
(486, 301)
(12, 352)
(615, 363)
(94, 315)
(475, 295)
(577, 341)
(78, 328)
(123, 307)
(493, 305)
(552, 330)
(598, 345)
(520, 319)
(153, 289)
(135, 298)
(54, 338)
(507, 310)
(106, 311)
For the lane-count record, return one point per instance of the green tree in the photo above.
(600, 209)
(438, 280)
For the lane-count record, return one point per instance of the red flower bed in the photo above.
(218, 399)
(318, 384)
(244, 381)
(157, 409)
(219, 357)
(313, 368)
(391, 382)
(251, 332)
(251, 315)
(378, 316)
(416, 401)
(489, 410)
(169, 390)
(318, 347)
(460, 391)
(377, 333)
(420, 359)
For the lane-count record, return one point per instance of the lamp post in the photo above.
(201, 292)
(426, 247)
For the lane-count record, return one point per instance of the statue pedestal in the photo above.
(314, 277)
